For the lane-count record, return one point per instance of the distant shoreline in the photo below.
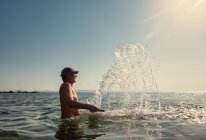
(19, 91)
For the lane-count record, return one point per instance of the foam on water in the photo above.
(129, 89)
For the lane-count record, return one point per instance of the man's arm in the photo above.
(76, 104)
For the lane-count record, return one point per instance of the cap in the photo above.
(67, 70)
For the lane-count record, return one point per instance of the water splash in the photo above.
(129, 89)
(130, 72)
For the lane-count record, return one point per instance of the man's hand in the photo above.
(93, 108)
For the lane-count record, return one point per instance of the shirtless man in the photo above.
(68, 98)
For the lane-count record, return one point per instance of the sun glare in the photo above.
(185, 12)
(180, 11)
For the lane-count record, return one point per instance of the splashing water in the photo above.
(129, 89)
(131, 72)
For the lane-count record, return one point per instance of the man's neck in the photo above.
(69, 82)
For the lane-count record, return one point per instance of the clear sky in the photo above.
(38, 38)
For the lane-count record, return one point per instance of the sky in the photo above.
(39, 38)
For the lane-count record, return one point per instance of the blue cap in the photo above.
(67, 70)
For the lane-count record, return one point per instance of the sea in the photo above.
(146, 116)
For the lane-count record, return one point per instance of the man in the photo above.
(68, 98)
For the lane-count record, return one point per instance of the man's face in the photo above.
(72, 77)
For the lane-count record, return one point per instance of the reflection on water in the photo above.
(92, 126)
(71, 129)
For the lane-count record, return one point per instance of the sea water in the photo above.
(128, 92)
(37, 116)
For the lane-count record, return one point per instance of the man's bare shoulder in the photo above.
(65, 86)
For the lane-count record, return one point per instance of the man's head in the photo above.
(69, 75)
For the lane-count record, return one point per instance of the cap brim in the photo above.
(75, 71)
